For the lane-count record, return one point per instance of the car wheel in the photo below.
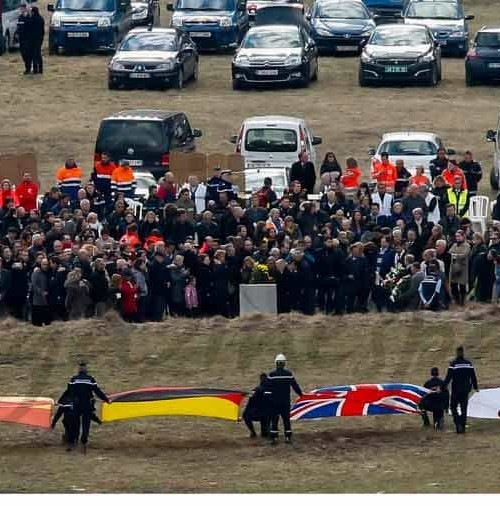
(469, 78)
(180, 79)
(494, 179)
(361, 79)
(112, 85)
(196, 71)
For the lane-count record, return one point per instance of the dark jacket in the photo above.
(280, 382)
(81, 389)
(158, 278)
(259, 402)
(99, 286)
(37, 26)
(473, 174)
(305, 174)
(462, 376)
(436, 166)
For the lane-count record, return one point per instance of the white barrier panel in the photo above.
(258, 299)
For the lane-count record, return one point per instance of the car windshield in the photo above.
(433, 10)
(409, 148)
(341, 11)
(206, 5)
(272, 39)
(485, 39)
(399, 38)
(267, 140)
(87, 5)
(117, 136)
(150, 42)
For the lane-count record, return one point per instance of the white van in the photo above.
(10, 11)
(274, 141)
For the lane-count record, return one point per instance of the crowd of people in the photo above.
(402, 242)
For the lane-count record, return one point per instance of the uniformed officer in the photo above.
(462, 375)
(81, 389)
(436, 401)
(258, 408)
(280, 381)
(24, 35)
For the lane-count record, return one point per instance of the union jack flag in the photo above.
(359, 400)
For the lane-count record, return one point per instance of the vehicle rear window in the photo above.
(266, 140)
(142, 136)
(488, 39)
(409, 148)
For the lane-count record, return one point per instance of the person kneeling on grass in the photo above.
(258, 408)
(436, 401)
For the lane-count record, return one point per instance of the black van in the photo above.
(145, 138)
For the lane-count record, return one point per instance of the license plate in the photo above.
(78, 35)
(268, 72)
(204, 35)
(347, 48)
(140, 75)
(494, 65)
(135, 163)
(396, 69)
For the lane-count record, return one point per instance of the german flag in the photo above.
(34, 411)
(174, 401)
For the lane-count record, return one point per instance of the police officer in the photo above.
(280, 381)
(462, 375)
(258, 408)
(81, 389)
(436, 401)
(24, 35)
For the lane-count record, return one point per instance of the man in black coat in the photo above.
(37, 35)
(258, 408)
(436, 401)
(158, 285)
(280, 382)
(438, 164)
(472, 171)
(330, 269)
(24, 33)
(462, 376)
(358, 285)
(304, 172)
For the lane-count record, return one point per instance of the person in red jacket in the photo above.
(384, 171)
(451, 172)
(7, 192)
(128, 297)
(27, 192)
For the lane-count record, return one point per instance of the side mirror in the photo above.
(491, 136)
(316, 140)
(233, 139)
(170, 7)
(51, 8)
(372, 151)
(196, 132)
(451, 151)
(469, 18)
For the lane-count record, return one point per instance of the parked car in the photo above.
(447, 21)
(145, 138)
(274, 141)
(143, 12)
(212, 24)
(482, 62)
(414, 148)
(386, 9)
(9, 13)
(397, 53)
(157, 56)
(88, 25)
(493, 137)
(275, 54)
(340, 26)
(255, 5)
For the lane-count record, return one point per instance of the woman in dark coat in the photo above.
(331, 167)
(221, 274)
(37, 25)
(205, 285)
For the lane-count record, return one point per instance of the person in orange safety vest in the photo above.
(69, 179)
(384, 171)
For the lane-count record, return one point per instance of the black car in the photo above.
(399, 53)
(145, 138)
(154, 56)
(482, 63)
(276, 53)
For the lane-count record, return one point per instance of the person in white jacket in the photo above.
(383, 199)
(431, 204)
(198, 192)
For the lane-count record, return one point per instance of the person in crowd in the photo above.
(37, 28)
(280, 381)
(357, 287)
(303, 171)
(352, 175)
(459, 270)
(128, 296)
(436, 401)
(462, 376)
(123, 180)
(383, 199)
(258, 408)
(27, 193)
(331, 167)
(438, 164)
(77, 294)
(472, 171)
(267, 197)
(24, 34)
(412, 201)
(69, 178)
(420, 179)
(458, 196)
(402, 179)
(101, 175)
(197, 193)
(384, 171)
(452, 172)
(40, 312)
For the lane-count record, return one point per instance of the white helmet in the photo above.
(280, 358)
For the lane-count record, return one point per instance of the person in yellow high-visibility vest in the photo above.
(458, 197)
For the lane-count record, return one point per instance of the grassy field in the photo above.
(58, 114)
(376, 454)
